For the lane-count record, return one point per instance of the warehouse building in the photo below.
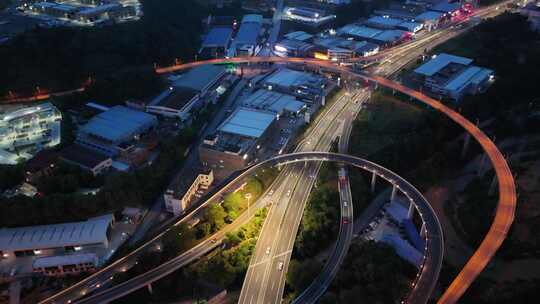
(216, 42)
(453, 76)
(109, 131)
(306, 86)
(305, 15)
(188, 91)
(86, 159)
(27, 129)
(293, 48)
(56, 239)
(359, 32)
(237, 141)
(246, 42)
(429, 19)
(338, 49)
(280, 104)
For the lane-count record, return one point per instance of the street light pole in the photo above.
(248, 196)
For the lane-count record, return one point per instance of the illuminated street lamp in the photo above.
(248, 197)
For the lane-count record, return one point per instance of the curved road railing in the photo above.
(428, 277)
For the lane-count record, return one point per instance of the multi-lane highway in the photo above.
(265, 278)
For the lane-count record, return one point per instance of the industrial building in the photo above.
(293, 48)
(384, 22)
(358, 32)
(453, 76)
(188, 91)
(237, 141)
(271, 101)
(305, 15)
(111, 131)
(65, 264)
(341, 49)
(246, 42)
(86, 159)
(177, 202)
(429, 19)
(56, 239)
(27, 129)
(306, 86)
(216, 42)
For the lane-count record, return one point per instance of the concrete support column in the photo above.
(376, 86)
(394, 192)
(493, 185)
(481, 165)
(423, 230)
(410, 213)
(466, 144)
(150, 290)
(373, 181)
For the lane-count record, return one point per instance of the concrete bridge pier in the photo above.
(373, 181)
(410, 213)
(493, 186)
(150, 290)
(466, 144)
(394, 192)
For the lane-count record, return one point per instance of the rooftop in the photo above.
(83, 156)
(439, 62)
(358, 31)
(386, 21)
(289, 78)
(248, 33)
(390, 35)
(198, 78)
(428, 16)
(273, 101)
(247, 122)
(178, 98)
(217, 37)
(91, 231)
(117, 123)
(298, 35)
(472, 74)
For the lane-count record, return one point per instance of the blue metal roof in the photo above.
(472, 74)
(199, 77)
(248, 33)
(359, 31)
(389, 35)
(428, 16)
(386, 21)
(247, 122)
(118, 123)
(217, 37)
(436, 64)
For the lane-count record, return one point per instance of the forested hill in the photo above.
(62, 58)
